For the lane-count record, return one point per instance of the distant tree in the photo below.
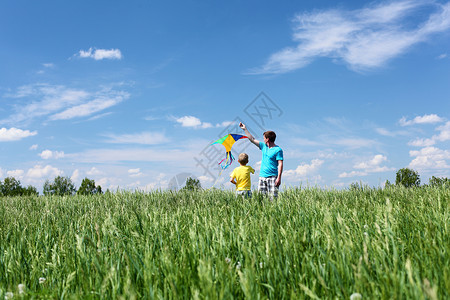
(387, 184)
(60, 186)
(438, 182)
(358, 186)
(192, 184)
(11, 187)
(407, 178)
(88, 187)
(30, 191)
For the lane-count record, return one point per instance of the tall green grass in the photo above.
(309, 243)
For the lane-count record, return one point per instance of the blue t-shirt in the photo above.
(270, 158)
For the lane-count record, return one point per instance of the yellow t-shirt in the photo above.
(242, 175)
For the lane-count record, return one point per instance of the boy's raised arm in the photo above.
(248, 134)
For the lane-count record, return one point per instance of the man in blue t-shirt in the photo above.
(271, 163)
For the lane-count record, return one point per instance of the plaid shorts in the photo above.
(267, 186)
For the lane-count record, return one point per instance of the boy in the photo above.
(241, 176)
(271, 163)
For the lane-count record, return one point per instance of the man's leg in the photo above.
(272, 189)
(262, 185)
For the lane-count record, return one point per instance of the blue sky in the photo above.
(131, 94)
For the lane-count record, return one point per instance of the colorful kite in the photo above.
(228, 141)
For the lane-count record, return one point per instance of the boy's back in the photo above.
(242, 175)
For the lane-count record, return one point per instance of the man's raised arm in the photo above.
(248, 134)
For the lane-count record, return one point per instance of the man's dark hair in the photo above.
(270, 135)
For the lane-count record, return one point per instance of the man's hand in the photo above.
(277, 182)
(248, 134)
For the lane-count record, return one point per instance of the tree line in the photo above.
(60, 186)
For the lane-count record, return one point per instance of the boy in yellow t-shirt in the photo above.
(241, 177)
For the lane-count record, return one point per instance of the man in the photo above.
(271, 163)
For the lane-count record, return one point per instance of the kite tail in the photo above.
(224, 163)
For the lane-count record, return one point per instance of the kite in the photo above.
(228, 141)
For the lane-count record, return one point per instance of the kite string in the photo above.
(229, 159)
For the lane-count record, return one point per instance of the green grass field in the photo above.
(309, 243)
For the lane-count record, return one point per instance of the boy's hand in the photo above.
(242, 125)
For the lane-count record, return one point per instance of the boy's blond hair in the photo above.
(243, 158)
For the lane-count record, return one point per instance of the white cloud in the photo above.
(425, 119)
(442, 56)
(17, 174)
(48, 154)
(135, 172)
(75, 175)
(364, 38)
(145, 138)
(1, 172)
(430, 158)
(94, 171)
(205, 179)
(38, 172)
(194, 122)
(304, 171)
(422, 142)
(99, 54)
(34, 147)
(363, 168)
(14, 134)
(444, 135)
(374, 162)
(352, 174)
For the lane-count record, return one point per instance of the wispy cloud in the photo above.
(89, 108)
(133, 154)
(59, 102)
(145, 138)
(425, 119)
(99, 54)
(391, 133)
(364, 38)
(355, 143)
(14, 134)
